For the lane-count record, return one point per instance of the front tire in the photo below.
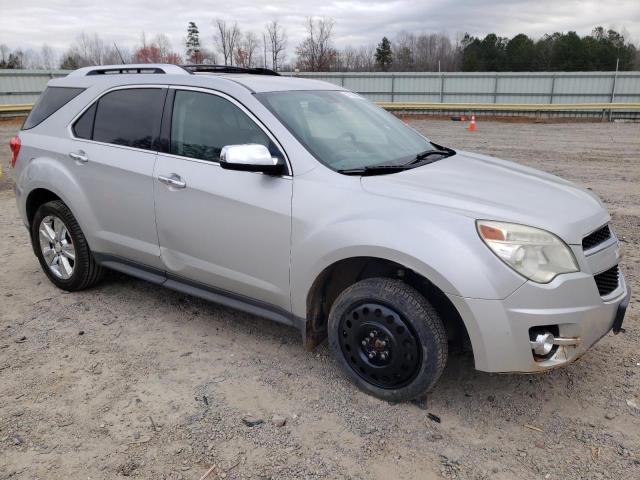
(62, 248)
(388, 339)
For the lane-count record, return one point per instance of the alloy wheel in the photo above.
(57, 247)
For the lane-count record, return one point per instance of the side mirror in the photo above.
(250, 158)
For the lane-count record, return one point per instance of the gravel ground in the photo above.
(128, 379)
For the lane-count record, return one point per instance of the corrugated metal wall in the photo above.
(23, 86)
(503, 87)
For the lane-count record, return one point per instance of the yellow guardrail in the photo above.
(529, 107)
(16, 108)
(514, 107)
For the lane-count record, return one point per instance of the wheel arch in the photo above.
(36, 198)
(44, 179)
(343, 273)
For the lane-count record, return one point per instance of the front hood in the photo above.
(483, 187)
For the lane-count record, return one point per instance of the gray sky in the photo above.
(30, 23)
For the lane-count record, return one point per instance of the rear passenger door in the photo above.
(114, 148)
(221, 228)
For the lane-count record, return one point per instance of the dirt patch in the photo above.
(128, 379)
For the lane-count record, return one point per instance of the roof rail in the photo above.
(203, 68)
(140, 68)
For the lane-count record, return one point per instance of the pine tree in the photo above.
(383, 54)
(194, 55)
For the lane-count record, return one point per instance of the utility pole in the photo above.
(613, 88)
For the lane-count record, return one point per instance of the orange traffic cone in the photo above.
(472, 125)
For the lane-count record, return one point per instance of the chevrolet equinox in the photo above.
(303, 202)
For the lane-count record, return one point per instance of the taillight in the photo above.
(14, 144)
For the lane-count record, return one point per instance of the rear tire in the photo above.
(62, 248)
(388, 339)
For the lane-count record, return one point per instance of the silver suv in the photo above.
(303, 202)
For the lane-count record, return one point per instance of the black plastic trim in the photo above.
(229, 299)
(134, 269)
(206, 292)
(622, 309)
(203, 68)
(164, 144)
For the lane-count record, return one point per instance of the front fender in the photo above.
(447, 253)
(334, 219)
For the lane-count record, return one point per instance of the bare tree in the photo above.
(158, 50)
(277, 42)
(264, 46)
(208, 56)
(30, 59)
(250, 47)
(162, 42)
(48, 57)
(316, 52)
(91, 48)
(226, 38)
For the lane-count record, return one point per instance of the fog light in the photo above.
(542, 344)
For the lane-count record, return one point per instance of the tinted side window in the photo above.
(51, 100)
(202, 124)
(83, 128)
(129, 117)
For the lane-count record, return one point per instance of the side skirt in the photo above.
(206, 292)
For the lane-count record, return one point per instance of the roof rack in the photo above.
(151, 68)
(141, 68)
(203, 68)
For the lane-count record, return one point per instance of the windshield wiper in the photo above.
(439, 150)
(418, 160)
(374, 169)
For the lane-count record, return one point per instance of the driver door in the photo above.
(229, 230)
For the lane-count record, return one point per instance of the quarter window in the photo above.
(83, 128)
(126, 117)
(203, 123)
(51, 100)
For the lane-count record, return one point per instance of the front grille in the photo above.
(607, 281)
(596, 238)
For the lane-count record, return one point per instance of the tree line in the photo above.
(406, 52)
(556, 52)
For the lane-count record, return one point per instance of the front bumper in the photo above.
(499, 329)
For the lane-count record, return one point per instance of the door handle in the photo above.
(80, 156)
(173, 180)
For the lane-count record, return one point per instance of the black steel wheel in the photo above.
(381, 346)
(388, 339)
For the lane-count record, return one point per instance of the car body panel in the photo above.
(483, 187)
(119, 189)
(98, 192)
(499, 330)
(226, 228)
(324, 232)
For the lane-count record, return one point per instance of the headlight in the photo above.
(536, 254)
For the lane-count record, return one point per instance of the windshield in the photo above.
(343, 130)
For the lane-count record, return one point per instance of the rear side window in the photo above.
(51, 100)
(126, 117)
